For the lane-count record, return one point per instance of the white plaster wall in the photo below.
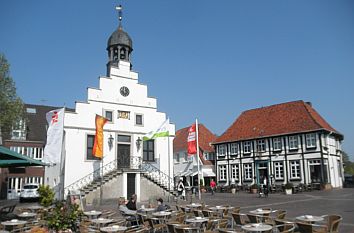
(107, 97)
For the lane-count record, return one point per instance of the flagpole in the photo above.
(169, 168)
(196, 125)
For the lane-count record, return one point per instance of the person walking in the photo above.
(212, 186)
(181, 188)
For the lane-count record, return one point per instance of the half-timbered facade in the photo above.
(288, 142)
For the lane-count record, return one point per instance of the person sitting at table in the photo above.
(160, 205)
(132, 217)
(132, 203)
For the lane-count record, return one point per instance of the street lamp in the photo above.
(110, 141)
(138, 143)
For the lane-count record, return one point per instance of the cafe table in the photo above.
(13, 223)
(146, 210)
(163, 215)
(256, 227)
(35, 208)
(310, 218)
(26, 215)
(218, 209)
(197, 220)
(114, 228)
(194, 205)
(92, 214)
(101, 221)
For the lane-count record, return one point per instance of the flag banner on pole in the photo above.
(191, 140)
(162, 131)
(53, 147)
(98, 144)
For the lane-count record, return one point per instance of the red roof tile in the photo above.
(279, 119)
(205, 138)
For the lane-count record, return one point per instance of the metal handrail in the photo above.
(158, 175)
(96, 174)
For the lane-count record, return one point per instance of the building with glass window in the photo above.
(287, 142)
(186, 166)
(131, 114)
(28, 137)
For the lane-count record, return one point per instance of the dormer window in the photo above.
(233, 148)
(247, 147)
(261, 146)
(221, 150)
(311, 140)
(277, 144)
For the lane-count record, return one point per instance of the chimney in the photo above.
(309, 103)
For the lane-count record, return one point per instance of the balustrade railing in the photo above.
(95, 175)
(157, 175)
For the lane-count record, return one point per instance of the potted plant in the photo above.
(254, 188)
(64, 217)
(46, 195)
(288, 188)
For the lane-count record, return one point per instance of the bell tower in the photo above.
(120, 45)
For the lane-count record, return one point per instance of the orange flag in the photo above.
(98, 145)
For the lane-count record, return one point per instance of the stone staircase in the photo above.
(95, 180)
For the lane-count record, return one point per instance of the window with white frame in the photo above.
(247, 147)
(277, 144)
(108, 114)
(311, 140)
(293, 142)
(235, 173)
(278, 170)
(139, 119)
(19, 130)
(233, 148)
(247, 168)
(295, 169)
(222, 150)
(222, 172)
(261, 146)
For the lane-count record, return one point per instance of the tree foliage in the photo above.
(11, 106)
(348, 165)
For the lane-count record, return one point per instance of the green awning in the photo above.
(9, 158)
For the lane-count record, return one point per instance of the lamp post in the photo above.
(110, 142)
(138, 143)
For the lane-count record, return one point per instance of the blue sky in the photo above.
(205, 59)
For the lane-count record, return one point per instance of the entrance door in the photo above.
(123, 156)
(262, 172)
(130, 184)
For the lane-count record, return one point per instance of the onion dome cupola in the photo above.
(120, 45)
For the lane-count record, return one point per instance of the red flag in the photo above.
(192, 143)
(98, 145)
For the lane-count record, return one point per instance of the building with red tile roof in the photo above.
(281, 143)
(186, 166)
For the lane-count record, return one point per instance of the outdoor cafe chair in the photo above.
(155, 225)
(310, 228)
(227, 230)
(284, 228)
(332, 222)
(254, 218)
(186, 228)
(240, 219)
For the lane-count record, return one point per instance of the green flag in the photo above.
(162, 131)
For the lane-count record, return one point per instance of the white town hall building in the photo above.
(132, 114)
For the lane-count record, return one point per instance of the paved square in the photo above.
(338, 201)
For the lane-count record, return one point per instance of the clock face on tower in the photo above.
(124, 91)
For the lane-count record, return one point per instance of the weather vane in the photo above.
(120, 13)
